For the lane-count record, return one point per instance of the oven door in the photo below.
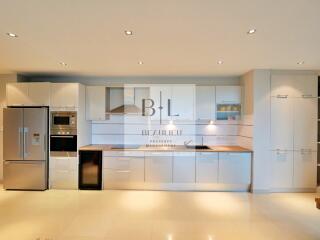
(63, 143)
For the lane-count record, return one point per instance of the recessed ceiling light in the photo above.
(10, 34)
(63, 64)
(300, 63)
(220, 62)
(252, 31)
(128, 32)
(140, 62)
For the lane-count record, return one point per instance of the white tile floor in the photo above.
(140, 215)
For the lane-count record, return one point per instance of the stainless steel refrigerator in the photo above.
(25, 148)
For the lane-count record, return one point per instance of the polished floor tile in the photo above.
(157, 215)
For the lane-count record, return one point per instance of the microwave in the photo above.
(63, 121)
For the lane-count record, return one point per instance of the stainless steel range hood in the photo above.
(129, 101)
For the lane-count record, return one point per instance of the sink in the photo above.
(198, 147)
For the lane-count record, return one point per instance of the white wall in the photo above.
(3, 80)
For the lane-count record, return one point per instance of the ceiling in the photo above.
(171, 37)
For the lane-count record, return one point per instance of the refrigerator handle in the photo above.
(20, 143)
(25, 132)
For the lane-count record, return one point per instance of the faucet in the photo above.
(186, 143)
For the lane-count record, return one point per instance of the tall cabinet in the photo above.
(293, 132)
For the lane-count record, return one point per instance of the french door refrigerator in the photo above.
(25, 148)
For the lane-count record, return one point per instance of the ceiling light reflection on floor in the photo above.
(140, 200)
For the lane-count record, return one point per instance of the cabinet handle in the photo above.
(123, 171)
(282, 96)
(307, 95)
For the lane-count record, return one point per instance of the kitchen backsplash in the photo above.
(132, 129)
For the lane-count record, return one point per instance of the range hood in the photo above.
(129, 103)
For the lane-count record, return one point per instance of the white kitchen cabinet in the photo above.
(305, 169)
(282, 123)
(184, 167)
(183, 102)
(64, 95)
(228, 94)
(205, 103)
(63, 172)
(158, 167)
(181, 98)
(207, 164)
(96, 103)
(123, 169)
(160, 94)
(305, 123)
(39, 93)
(282, 169)
(17, 94)
(234, 168)
(28, 94)
(294, 85)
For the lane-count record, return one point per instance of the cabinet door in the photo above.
(64, 94)
(282, 169)
(235, 168)
(17, 94)
(281, 123)
(305, 169)
(305, 123)
(39, 94)
(182, 102)
(294, 85)
(205, 103)
(184, 168)
(228, 94)
(158, 169)
(207, 168)
(160, 96)
(283, 85)
(63, 179)
(95, 103)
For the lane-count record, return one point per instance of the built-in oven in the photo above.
(63, 134)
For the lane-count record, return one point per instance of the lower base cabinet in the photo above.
(184, 167)
(63, 173)
(234, 168)
(158, 167)
(207, 164)
(123, 170)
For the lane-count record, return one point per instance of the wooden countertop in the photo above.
(178, 148)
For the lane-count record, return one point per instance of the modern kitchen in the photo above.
(161, 150)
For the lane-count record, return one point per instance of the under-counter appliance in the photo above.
(63, 136)
(25, 148)
(90, 170)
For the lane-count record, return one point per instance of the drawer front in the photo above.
(62, 163)
(207, 169)
(123, 163)
(122, 176)
(123, 153)
(63, 179)
(158, 169)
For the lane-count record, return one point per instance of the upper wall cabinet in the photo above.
(177, 101)
(228, 102)
(28, 94)
(283, 85)
(205, 103)
(95, 102)
(64, 95)
(228, 94)
(182, 102)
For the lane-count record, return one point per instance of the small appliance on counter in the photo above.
(63, 138)
(25, 151)
(90, 170)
